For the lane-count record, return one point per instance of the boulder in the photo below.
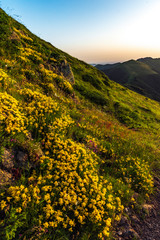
(8, 159)
(22, 160)
(66, 70)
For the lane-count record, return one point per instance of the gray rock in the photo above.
(66, 70)
(8, 159)
(22, 159)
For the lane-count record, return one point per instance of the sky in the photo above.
(96, 31)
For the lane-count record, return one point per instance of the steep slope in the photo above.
(74, 146)
(142, 76)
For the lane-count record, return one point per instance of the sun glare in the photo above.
(143, 31)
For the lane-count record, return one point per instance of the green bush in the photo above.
(94, 81)
(93, 95)
(126, 115)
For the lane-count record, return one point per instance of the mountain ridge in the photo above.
(141, 75)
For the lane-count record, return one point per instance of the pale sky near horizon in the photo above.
(96, 31)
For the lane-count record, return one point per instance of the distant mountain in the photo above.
(154, 63)
(142, 75)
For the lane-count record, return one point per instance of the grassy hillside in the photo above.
(142, 76)
(75, 147)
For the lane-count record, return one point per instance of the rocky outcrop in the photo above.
(14, 36)
(7, 159)
(14, 161)
(66, 70)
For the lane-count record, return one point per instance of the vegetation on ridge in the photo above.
(72, 151)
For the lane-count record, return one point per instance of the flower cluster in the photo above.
(22, 35)
(48, 75)
(135, 172)
(65, 85)
(68, 193)
(62, 124)
(12, 119)
(30, 54)
(51, 77)
(5, 81)
(40, 110)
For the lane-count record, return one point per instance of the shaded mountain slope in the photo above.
(153, 63)
(75, 147)
(142, 76)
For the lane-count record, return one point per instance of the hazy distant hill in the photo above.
(142, 76)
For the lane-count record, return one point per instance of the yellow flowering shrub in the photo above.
(50, 87)
(24, 59)
(78, 190)
(51, 77)
(12, 120)
(9, 63)
(61, 124)
(22, 35)
(135, 172)
(48, 75)
(29, 53)
(67, 193)
(65, 85)
(40, 110)
(5, 81)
